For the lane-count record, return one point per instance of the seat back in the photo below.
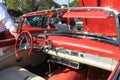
(18, 73)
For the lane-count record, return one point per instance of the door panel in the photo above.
(115, 75)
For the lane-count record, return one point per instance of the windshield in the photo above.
(62, 27)
(87, 29)
(94, 26)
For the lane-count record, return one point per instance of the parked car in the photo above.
(55, 51)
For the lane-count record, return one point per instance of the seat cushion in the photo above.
(18, 73)
(68, 74)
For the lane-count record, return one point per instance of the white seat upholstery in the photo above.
(18, 73)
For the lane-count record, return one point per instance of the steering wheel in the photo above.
(23, 44)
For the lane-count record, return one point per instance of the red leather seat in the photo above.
(67, 74)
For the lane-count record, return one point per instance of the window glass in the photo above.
(35, 21)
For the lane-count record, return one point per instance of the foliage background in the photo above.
(19, 7)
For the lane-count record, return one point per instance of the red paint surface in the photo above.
(105, 27)
(10, 40)
(95, 21)
(115, 4)
(86, 14)
(101, 26)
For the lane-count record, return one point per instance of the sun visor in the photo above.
(86, 14)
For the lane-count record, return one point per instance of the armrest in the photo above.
(7, 42)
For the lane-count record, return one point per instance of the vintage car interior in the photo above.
(81, 43)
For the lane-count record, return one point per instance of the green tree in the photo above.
(11, 4)
(74, 3)
(15, 13)
(48, 4)
(12, 8)
(30, 5)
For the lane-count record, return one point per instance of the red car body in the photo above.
(97, 45)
